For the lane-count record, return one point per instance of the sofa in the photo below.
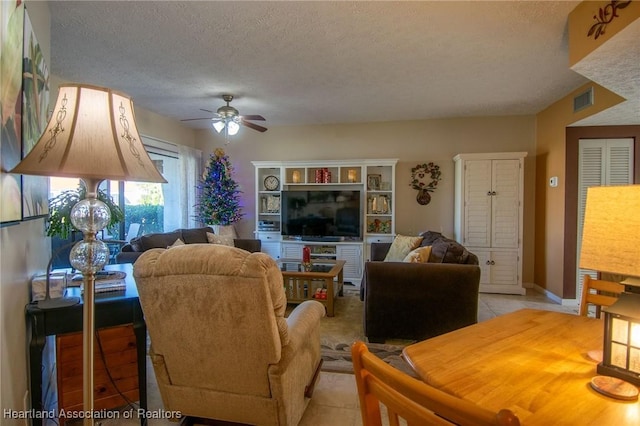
(130, 252)
(415, 301)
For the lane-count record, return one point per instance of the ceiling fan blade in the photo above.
(253, 117)
(206, 110)
(253, 126)
(194, 119)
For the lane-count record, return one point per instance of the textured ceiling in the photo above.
(616, 66)
(301, 63)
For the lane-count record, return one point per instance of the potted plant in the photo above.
(59, 221)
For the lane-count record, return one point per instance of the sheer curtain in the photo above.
(190, 171)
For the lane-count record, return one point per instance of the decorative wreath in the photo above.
(421, 174)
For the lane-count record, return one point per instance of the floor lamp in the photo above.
(92, 135)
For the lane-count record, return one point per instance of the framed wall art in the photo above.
(12, 18)
(35, 104)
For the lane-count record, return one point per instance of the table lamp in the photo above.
(610, 244)
(92, 135)
(610, 232)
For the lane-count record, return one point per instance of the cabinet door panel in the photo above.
(477, 213)
(291, 251)
(484, 261)
(271, 248)
(353, 256)
(504, 268)
(505, 203)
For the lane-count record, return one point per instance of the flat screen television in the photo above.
(321, 214)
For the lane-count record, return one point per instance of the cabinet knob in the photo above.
(493, 263)
(488, 262)
(489, 193)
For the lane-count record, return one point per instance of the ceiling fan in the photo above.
(227, 117)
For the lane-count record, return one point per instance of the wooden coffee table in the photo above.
(301, 285)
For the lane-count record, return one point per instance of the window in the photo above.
(156, 207)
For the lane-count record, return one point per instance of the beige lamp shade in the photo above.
(91, 134)
(611, 230)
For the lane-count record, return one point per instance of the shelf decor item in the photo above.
(373, 182)
(306, 258)
(425, 178)
(92, 135)
(271, 183)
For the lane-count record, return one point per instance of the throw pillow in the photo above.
(429, 237)
(177, 243)
(226, 231)
(195, 235)
(220, 239)
(401, 247)
(445, 250)
(419, 255)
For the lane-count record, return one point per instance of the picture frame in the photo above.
(35, 101)
(12, 21)
(373, 182)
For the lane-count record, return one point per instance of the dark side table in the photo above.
(111, 309)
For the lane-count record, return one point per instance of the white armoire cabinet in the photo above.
(489, 214)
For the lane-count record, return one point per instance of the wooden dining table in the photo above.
(531, 361)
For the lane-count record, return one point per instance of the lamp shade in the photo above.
(91, 134)
(611, 230)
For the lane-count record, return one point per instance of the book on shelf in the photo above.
(106, 286)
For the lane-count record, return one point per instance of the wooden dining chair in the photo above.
(599, 293)
(412, 400)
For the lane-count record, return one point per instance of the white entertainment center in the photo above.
(372, 180)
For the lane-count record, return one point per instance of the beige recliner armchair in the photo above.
(220, 345)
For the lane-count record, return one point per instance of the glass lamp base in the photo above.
(61, 302)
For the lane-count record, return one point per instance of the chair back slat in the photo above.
(600, 293)
(413, 400)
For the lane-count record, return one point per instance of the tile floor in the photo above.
(335, 399)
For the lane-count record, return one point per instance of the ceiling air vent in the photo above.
(583, 100)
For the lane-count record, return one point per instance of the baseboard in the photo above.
(554, 297)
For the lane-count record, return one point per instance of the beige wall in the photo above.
(549, 202)
(165, 129)
(412, 142)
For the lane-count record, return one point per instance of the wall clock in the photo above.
(271, 183)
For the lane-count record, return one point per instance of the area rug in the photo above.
(337, 333)
(337, 359)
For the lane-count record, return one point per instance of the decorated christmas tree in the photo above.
(219, 196)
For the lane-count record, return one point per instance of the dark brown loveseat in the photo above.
(416, 301)
(130, 252)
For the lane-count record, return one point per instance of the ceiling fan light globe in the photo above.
(218, 125)
(232, 127)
